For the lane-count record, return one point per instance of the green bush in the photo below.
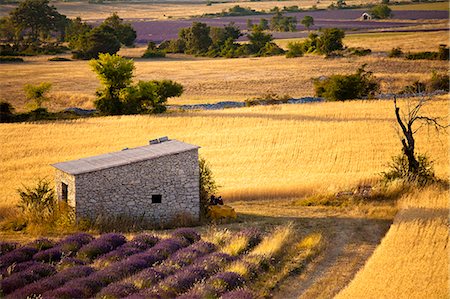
(398, 170)
(7, 59)
(295, 49)
(416, 87)
(271, 49)
(153, 51)
(59, 59)
(381, 11)
(439, 82)
(395, 52)
(359, 51)
(208, 185)
(346, 87)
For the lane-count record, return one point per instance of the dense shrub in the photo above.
(416, 88)
(6, 112)
(439, 82)
(6, 59)
(283, 23)
(380, 11)
(295, 49)
(153, 51)
(329, 41)
(398, 170)
(441, 54)
(359, 51)
(208, 185)
(59, 59)
(395, 52)
(346, 87)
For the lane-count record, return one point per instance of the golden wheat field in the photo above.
(258, 152)
(412, 259)
(211, 80)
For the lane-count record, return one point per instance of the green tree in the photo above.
(196, 38)
(123, 31)
(381, 11)
(258, 39)
(37, 18)
(99, 40)
(330, 40)
(207, 184)
(263, 24)
(282, 23)
(115, 73)
(149, 96)
(36, 94)
(307, 21)
(75, 29)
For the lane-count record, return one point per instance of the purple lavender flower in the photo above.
(168, 246)
(120, 270)
(188, 233)
(105, 243)
(20, 279)
(73, 243)
(117, 290)
(144, 241)
(148, 277)
(6, 247)
(182, 280)
(254, 236)
(42, 244)
(43, 285)
(16, 268)
(225, 281)
(68, 262)
(18, 255)
(77, 288)
(50, 255)
(238, 294)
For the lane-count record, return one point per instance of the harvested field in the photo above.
(412, 259)
(210, 80)
(260, 152)
(169, 9)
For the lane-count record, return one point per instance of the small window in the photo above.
(64, 191)
(156, 198)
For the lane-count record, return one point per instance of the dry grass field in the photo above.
(211, 80)
(258, 152)
(173, 9)
(412, 259)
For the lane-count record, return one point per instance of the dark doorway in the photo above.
(64, 191)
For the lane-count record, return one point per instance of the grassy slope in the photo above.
(412, 260)
(259, 152)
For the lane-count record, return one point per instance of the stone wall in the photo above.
(127, 190)
(69, 180)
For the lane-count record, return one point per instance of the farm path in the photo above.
(351, 237)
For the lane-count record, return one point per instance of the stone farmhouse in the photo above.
(157, 182)
(365, 16)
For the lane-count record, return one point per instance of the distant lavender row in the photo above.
(345, 19)
(21, 279)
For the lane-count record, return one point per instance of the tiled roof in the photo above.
(124, 157)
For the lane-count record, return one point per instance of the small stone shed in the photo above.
(365, 16)
(158, 182)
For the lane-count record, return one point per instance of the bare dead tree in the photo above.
(406, 122)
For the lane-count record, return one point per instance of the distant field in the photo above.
(175, 9)
(259, 152)
(211, 80)
(423, 6)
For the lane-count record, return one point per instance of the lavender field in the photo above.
(110, 266)
(345, 19)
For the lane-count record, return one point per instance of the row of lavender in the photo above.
(80, 266)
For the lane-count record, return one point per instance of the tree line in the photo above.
(36, 27)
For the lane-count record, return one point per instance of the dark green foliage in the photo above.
(123, 31)
(6, 112)
(271, 49)
(153, 51)
(283, 23)
(359, 51)
(207, 184)
(115, 73)
(381, 11)
(149, 96)
(330, 40)
(196, 38)
(234, 11)
(396, 52)
(346, 87)
(258, 39)
(439, 82)
(307, 21)
(295, 49)
(263, 24)
(75, 30)
(399, 170)
(6, 59)
(101, 39)
(443, 52)
(59, 59)
(36, 94)
(422, 55)
(37, 19)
